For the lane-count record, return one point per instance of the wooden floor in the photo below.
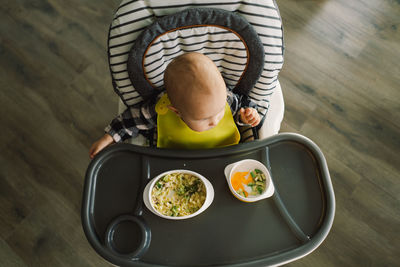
(341, 86)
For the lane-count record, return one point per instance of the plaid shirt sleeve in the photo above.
(144, 117)
(132, 120)
(236, 102)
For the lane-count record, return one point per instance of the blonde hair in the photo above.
(189, 76)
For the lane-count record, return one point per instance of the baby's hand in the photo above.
(106, 140)
(250, 116)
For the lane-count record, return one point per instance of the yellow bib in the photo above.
(172, 132)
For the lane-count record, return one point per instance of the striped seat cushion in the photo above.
(226, 38)
(222, 45)
(229, 50)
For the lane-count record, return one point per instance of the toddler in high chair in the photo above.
(197, 110)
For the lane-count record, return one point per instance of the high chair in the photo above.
(245, 40)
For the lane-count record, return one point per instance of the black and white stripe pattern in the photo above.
(132, 17)
(221, 45)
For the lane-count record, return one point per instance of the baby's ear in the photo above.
(174, 110)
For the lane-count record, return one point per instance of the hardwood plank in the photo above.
(8, 256)
(340, 58)
(54, 227)
(17, 200)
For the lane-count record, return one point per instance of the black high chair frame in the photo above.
(271, 232)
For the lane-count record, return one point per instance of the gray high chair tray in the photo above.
(274, 231)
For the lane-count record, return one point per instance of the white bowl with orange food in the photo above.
(249, 180)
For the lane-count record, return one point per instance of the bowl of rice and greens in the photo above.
(178, 194)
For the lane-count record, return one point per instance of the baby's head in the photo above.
(196, 90)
